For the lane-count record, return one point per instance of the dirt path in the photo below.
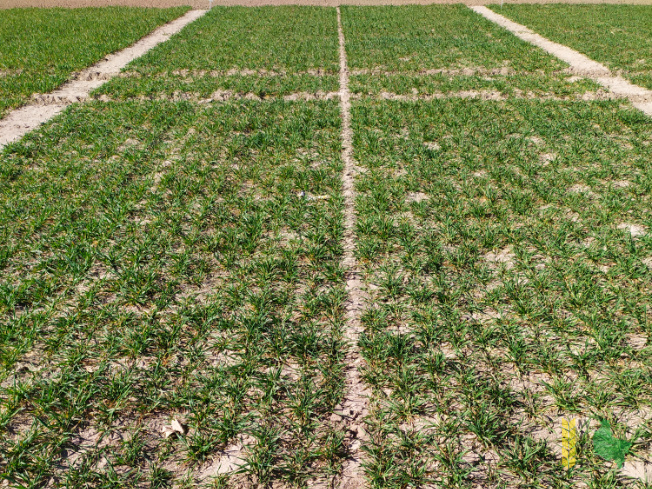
(45, 106)
(640, 97)
(351, 412)
(202, 4)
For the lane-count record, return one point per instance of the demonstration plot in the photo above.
(41, 48)
(434, 49)
(171, 302)
(261, 51)
(619, 36)
(507, 253)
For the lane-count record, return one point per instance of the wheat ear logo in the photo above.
(568, 443)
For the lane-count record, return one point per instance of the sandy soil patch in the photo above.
(417, 197)
(505, 257)
(491, 95)
(633, 229)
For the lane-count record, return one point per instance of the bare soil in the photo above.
(202, 4)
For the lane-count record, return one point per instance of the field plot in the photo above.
(265, 51)
(619, 36)
(509, 270)
(42, 48)
(504, 246)
(192, 274)
(419, 50)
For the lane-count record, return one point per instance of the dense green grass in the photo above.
(620, 36)
(504, 294)
(171, 261)
(42, 47)
(401, 44)
(298, 45)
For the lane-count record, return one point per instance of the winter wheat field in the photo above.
(383, 247)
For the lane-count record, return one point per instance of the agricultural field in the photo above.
(183, 277)
(447, 49)
(176, 291)
(265, 51)
(41, 48)
(619, 36)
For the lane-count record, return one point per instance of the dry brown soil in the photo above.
(202, 4)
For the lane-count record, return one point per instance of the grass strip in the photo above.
(418, 37)
(206, 86)
(507, 85)
(290, 39)
(402, 44)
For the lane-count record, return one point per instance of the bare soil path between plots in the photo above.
(640, 97)
(45, 106)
